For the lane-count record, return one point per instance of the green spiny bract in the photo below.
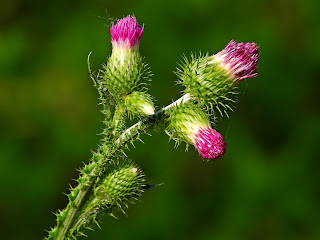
(207, 83)
(123, 182)
(139, 103)
(184, 120)
(125, 73)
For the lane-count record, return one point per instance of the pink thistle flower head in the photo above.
(126, 33)
(191, 124)
(209, 143)
(239, 60)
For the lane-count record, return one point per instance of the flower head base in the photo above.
(190, 124)
(126, 33)
(238, 59)
(209, 143)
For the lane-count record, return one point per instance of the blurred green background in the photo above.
(265, 187)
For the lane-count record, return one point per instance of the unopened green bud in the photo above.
(139, 103)
(124, 181)
(212, 80)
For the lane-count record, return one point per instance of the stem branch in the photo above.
(74, 207)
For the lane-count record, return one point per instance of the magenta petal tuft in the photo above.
(240, 59)
(126, 32)
(209, 143)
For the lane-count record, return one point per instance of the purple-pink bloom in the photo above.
(126, 32)
(239, 59)
(209, 143)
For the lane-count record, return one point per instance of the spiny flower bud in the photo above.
(238, 59)
(211, 80)
(125, 70)
(123, 181)
(139, 103)
(190, 124)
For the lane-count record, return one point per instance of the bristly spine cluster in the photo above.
(207, 85)
(110, 181)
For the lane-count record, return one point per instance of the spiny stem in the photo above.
(74, 207)
(118, 119)
(90, 209)
(185, 98)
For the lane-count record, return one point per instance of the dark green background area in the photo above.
(265, 187)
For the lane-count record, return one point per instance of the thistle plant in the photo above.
(111, 181)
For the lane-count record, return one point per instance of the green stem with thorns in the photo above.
(76, 211)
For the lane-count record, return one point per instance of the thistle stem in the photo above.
(69, 224)
(89, 210)
(185, 98)
(71, 215)
(118, 119)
